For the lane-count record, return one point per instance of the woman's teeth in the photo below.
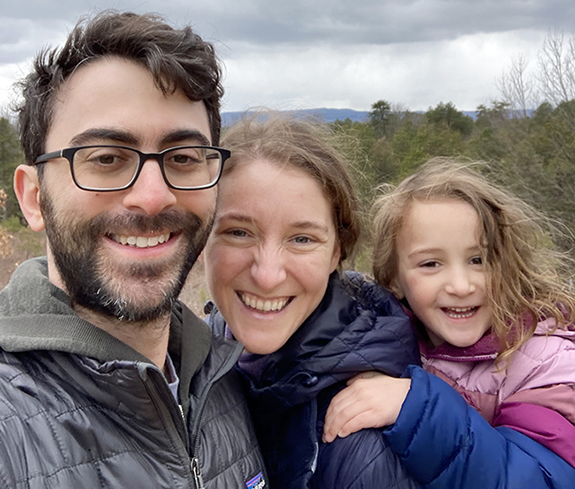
(264, 305)
(141, 241)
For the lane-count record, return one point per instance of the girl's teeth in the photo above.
(460, 312)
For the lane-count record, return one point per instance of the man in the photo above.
(106, 380)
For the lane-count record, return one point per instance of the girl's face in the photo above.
(440, 271)
(271, 252)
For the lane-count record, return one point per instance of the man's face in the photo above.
(125, 253)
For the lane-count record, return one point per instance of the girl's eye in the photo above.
(429, 264)
(476, 260)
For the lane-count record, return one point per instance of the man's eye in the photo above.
(106, 159)
(183, 159)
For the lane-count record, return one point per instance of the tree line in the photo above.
(526, 138)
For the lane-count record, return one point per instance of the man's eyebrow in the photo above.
(97, 135)
(185, 136)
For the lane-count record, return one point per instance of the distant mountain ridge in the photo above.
(323, 114)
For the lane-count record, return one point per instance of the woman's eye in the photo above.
(237, 233)
(302, 240)
(476, 260)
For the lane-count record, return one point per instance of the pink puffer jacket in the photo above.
(534, 394)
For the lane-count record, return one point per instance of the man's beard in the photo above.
(96, 280)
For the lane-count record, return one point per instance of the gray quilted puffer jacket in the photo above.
(81, 409)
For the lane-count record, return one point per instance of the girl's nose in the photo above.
(460, 283)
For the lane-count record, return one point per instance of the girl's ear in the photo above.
(396, 289)
(27, 189)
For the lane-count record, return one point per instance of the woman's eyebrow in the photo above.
(233, 216)
(311, 225)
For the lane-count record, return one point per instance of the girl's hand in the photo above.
(371, 400)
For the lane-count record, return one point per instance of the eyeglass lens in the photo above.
(112, 167)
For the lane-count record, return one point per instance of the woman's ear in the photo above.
(27, 189)
(335, 257)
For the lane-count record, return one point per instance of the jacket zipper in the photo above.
(195, 461)
(159, 400)
(199, 481)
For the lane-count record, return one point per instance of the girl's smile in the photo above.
(441, 271)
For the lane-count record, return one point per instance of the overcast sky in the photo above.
(289, 54)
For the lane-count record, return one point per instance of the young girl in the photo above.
(473, 265)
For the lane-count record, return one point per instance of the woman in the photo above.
(286, 219)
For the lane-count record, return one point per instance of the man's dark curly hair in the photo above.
(176, 58)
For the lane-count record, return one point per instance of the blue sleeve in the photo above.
(444, 442)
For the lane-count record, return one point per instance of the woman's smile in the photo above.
(271, 252)
(264, 305)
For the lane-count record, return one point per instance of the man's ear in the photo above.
(27, 189)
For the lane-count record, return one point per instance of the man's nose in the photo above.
(150, 193)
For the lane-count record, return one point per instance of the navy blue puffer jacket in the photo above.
(357, 327)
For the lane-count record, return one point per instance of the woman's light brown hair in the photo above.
(307, 146)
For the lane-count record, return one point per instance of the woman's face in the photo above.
(271, 252)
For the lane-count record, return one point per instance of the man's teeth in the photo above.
(141, 241)
(460, 312)
(265, 306)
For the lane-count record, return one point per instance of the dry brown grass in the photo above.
(24, 244)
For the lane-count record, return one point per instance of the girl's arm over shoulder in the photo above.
(444, 442)
(371, 400)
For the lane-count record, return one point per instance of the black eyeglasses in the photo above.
(108, 168)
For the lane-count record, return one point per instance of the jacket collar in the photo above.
(37, 315)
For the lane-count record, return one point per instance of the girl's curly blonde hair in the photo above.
(527, 277)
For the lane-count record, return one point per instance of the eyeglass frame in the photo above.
(69, 153)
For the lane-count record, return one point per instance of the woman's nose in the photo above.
(268, 270)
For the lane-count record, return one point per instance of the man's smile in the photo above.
(141, 241)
